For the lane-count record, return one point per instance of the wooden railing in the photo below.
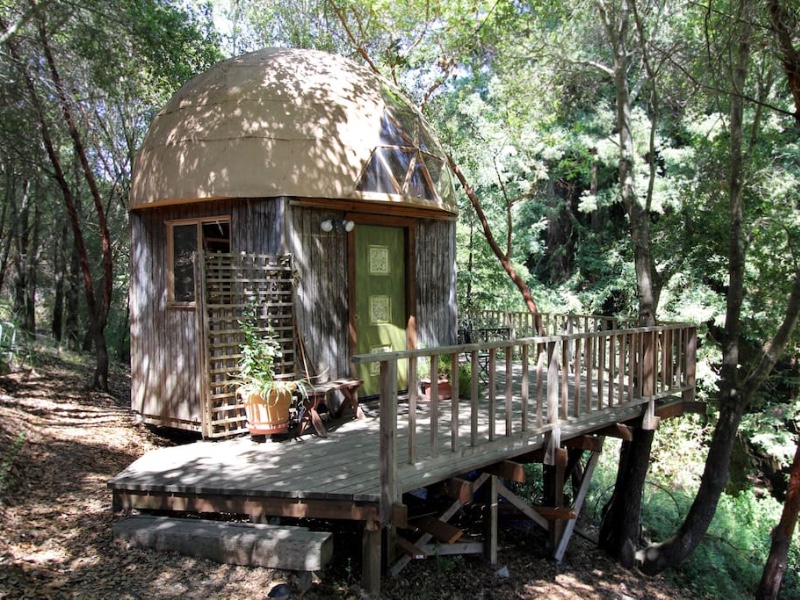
(540, 390)
(526, 324)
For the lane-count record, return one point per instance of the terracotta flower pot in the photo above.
(269, 415)
(444, 389)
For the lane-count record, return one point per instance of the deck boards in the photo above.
(345, 466)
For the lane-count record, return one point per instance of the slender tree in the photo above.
(775, 567)
(737, 387)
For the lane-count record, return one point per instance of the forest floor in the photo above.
(60, 443)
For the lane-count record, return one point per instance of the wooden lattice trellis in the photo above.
(231, 286)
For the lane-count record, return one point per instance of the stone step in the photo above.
(261, 545)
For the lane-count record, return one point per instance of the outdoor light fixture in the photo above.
(337, 225)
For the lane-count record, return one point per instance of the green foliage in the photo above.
(729, 561)
(258, 353)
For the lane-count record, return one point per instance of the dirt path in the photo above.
(60, 444)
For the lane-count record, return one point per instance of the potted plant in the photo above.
(444, 378)
(266, 398)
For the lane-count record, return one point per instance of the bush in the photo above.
(729, 561)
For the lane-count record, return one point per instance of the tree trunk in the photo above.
(59, 274)
(5, 231)
(25, 263)
(72, 328)
(98, 310)
(620, 529)
(734, 396)
(658, 557)
(782, 536)
(504, 259)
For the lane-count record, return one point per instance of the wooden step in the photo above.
(443, 532)
(260, 545)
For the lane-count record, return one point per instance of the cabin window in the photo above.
(184, 238)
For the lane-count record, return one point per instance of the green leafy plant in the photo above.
(445, 370)
(258, 354)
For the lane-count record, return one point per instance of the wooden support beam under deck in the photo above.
(585, 442)
(456, 488)
(255, 506)
(507, 470)
(619, 430)
(679, 408)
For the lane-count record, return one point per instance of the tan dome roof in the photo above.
(282, 122)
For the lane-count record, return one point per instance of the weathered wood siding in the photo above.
(165, 378)
(321, 295)
(436, 283)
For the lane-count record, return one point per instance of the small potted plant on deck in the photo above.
(443, 382)
(266, 397)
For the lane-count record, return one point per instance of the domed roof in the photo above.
(284, 122)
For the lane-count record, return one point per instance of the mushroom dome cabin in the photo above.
(298, 186)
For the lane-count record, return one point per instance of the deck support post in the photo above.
(554, 480)
(390, 488)
(371, 558)
(490, 520)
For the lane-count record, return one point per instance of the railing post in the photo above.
(649, 375)
(390, 487)
(553, 379)
(413, 387)
(691, 366)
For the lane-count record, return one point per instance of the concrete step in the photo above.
(261, 545)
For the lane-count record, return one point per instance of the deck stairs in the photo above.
(253, 544)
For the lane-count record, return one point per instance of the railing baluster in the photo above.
(539, 385)
(564, 387)
(612, 362)
(454, 367)
(413, 386)
(434, 404)
(524, 386)
(624, 349)
(509, 390)
(473, 401)
(601, 368)
(576, 379)
(492, 398)
(589, 350)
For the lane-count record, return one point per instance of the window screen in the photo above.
(210, 235)
(184, 243)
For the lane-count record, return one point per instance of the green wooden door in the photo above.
(380, 294)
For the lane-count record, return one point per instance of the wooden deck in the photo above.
(559, 388)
